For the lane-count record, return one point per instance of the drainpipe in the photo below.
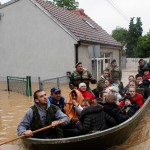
(76, 52)
(120, 56)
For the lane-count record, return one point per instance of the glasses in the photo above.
(131, 91)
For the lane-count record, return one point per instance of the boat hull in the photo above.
(101, 140)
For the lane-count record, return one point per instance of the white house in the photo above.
(39, 39)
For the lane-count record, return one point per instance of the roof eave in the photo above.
(99, 43)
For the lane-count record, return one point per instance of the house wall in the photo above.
(115, 53)
(33, 44)
(86, 59)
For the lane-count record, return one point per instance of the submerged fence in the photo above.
(20, 85)
(60, 82)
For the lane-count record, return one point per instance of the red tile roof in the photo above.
(75, 22)
(78, 23)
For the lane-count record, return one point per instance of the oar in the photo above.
(36, 131)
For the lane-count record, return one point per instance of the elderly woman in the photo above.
(85, 92)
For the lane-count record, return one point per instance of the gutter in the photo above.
(77, 52)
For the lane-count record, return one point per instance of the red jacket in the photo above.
(138, 98)
(146, 77)
(87, 94)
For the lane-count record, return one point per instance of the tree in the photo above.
(143, 46)
(134, 32)
(120, 34)
(68, 4)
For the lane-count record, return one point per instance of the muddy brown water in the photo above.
(14, 105)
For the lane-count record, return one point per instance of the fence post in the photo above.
(58, 82)
(30, 88)
(8, 83)
(40, 84)
(41, 87)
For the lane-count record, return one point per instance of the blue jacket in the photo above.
(61, 102)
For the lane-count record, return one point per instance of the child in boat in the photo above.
(136, 98)
(128, 109)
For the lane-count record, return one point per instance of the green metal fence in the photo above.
(20, 85)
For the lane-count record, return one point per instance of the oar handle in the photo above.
(36, 131)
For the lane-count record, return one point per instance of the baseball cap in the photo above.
(55, 89)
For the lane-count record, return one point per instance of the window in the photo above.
(89, 24)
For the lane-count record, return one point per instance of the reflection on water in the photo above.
(12, 108)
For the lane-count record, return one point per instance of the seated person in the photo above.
(136, 98)
(42, 114)
(102, 97)
(110, 106)
(130, 78)
(110, 88)
(128, 109)
(134, 84)
(139, 79)
(93, 118)
(84, 91)
(56, 98)
(146, 75)
(69, 106)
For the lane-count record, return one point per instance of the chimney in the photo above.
(79, 12)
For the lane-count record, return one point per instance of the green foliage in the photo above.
(120, 34)
(134, 32)
(68, 4)
(143, 46)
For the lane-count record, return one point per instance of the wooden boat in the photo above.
(100, 140)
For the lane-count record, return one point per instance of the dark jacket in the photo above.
(36, 123)
(146, 93)
(141, 68)
(114, 111)
(61, 102)
(129, 111)
(93, 118)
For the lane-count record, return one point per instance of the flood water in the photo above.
(13, 107)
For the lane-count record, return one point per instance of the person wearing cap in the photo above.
(115, 71)
(40, 115)
(79, 75)
(115, 74)
(142, 65)
(56, 98)
(85, 93)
